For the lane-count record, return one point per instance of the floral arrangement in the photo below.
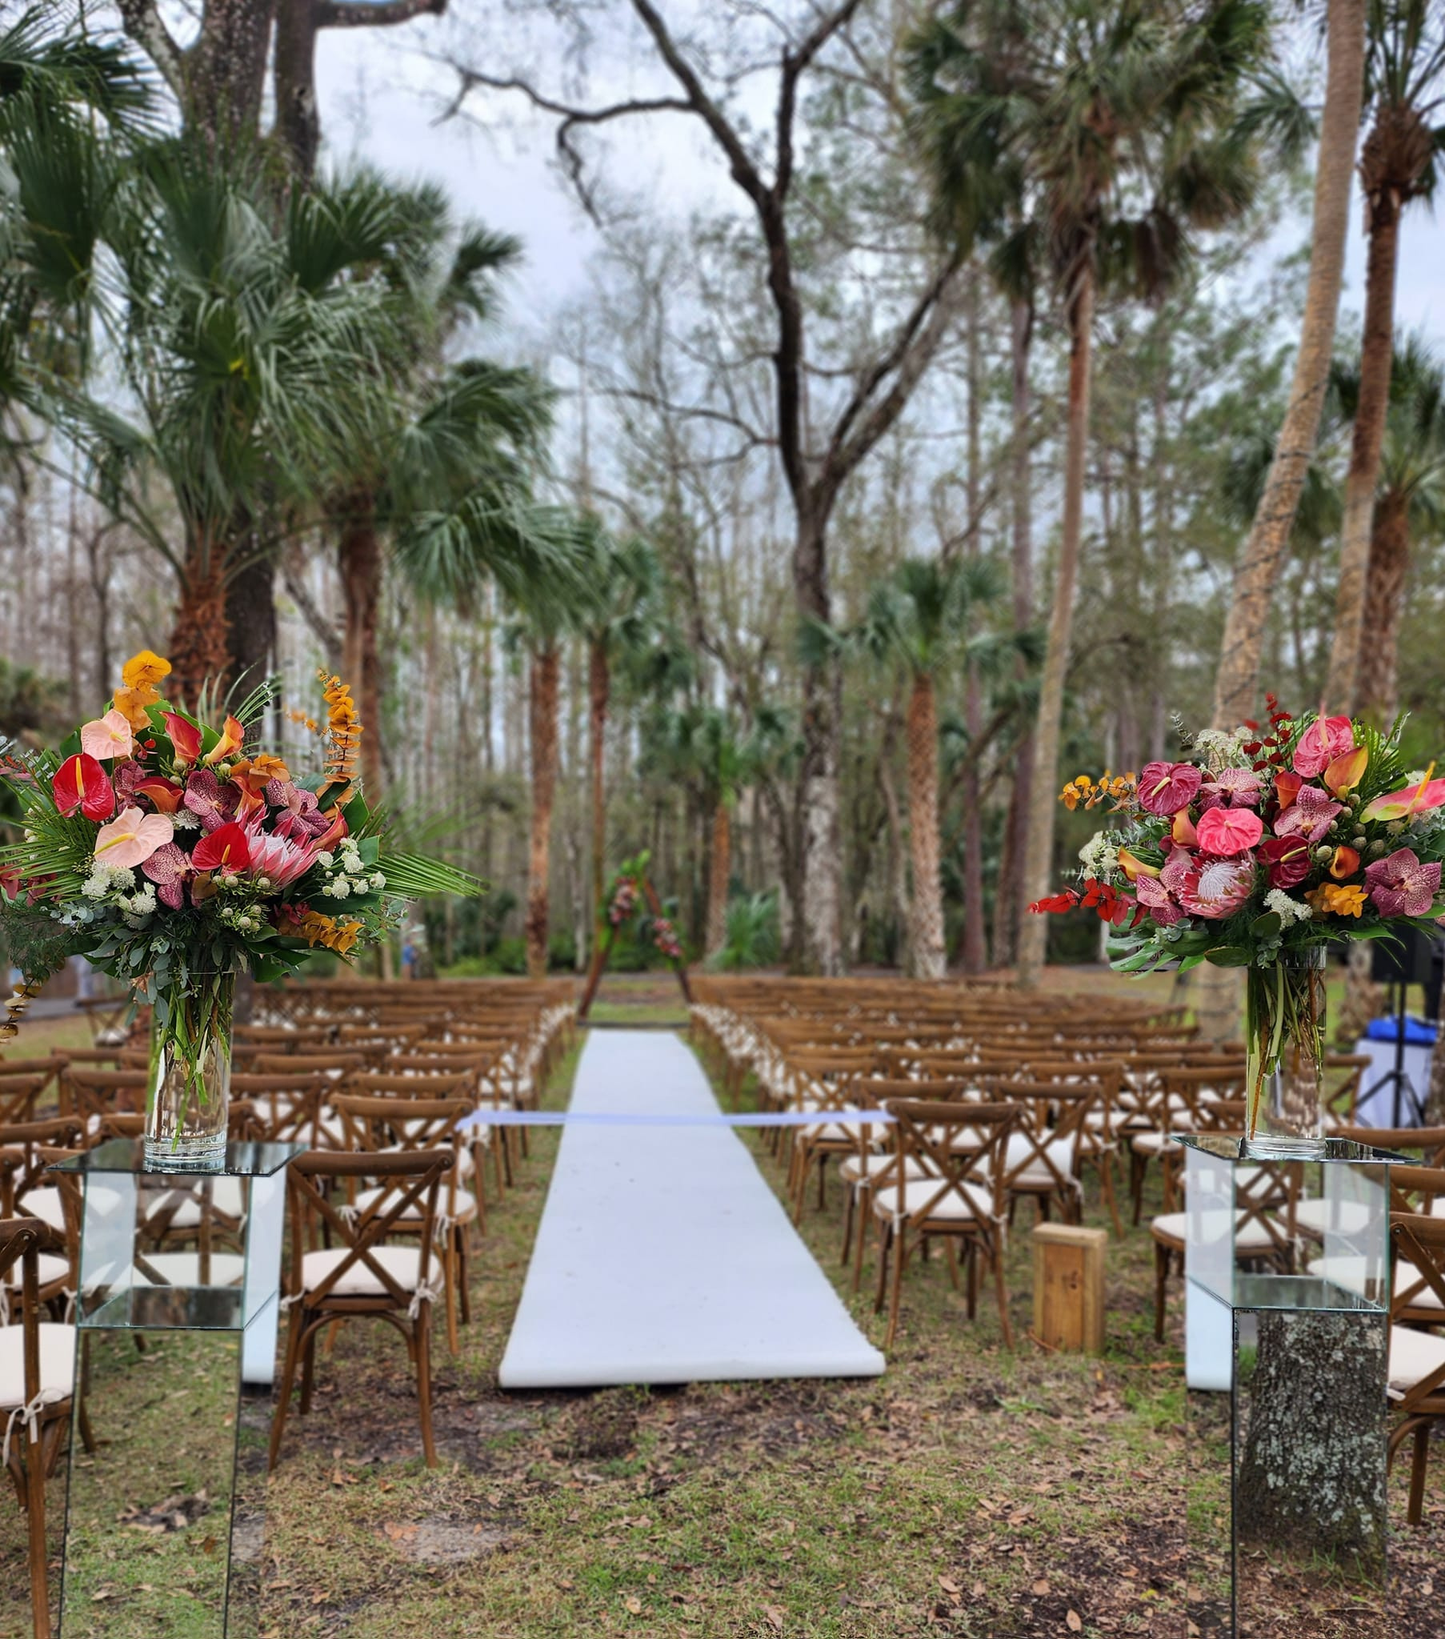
(625, 901)
(1267, 842)
(163, 844)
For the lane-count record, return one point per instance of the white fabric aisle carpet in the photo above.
(663, 1256)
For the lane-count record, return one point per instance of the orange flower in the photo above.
(233, 737)
(316, 928)
(254, 774)
(1345, 863)
(138, 690)
(1330, 897)
(344, 727)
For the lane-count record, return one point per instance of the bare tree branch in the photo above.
(143, 23)
(374, 13)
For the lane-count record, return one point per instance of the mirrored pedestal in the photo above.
(1287, 1281)
(179, 1297)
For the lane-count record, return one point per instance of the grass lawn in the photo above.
(969, 1491)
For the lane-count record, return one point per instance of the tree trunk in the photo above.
(819, 827)
(975, 944)
(926, 932)
(897, 850)
(1237, 678)
(542, 704)
(599, 683)
(1377, 692)
(251, 622)
(298, 120)
(1038, 859)
(198, 646)
(1011, 901)
(1352, 632)
(1161, 646)
(719, 867)
(358, 555)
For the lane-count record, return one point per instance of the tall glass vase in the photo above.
(1285, 1054)
(189, 1093)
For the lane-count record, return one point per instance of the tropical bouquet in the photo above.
(166, 847)
(1257, 852)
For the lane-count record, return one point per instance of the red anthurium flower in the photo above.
(1345, 862)
(1225, 832)
(1346, 771)
(1165, 788)
(80, 782)
(224, 849)
(165, 795)
(185, 737)
(1288, 859)
(1325, 739)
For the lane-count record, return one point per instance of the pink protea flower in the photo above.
(1309, 815)
(1229, 831)
(281, 860)
(1165, 788)
(211, 802)
(1402, 884)
(1206, 885)
(169, 867)
(1241, 787)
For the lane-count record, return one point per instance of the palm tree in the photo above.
(920, 619)
(622, 579)
(1090, 108)
(1409, 500)
(1237, 677)
(1401, 161)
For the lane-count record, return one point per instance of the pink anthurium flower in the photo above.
(107, 737)
(1413, 799)
(224, 849)
(1229, 831)
(1325, 739)
(185, 739)
(80, 782)
(132, 837)
(1165, 788)
(1346, 771)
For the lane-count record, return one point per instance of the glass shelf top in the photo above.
(1266, 1291)
(128, 1155)
(1232, 1147)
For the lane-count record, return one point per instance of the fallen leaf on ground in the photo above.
(1075, 1622)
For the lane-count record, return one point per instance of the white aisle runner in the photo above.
(663, 1256)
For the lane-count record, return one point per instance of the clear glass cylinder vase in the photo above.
(1285, 1046)
(189, 1093)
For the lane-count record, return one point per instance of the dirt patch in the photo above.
(445, 1542)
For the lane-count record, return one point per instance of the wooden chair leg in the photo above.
(895, 1298)
(970, 1254)
(1008, 1336)
(423, 1381)
(822, 1182)
(1106, 1179)
(885, 1245)
(864, 1207)
(1137, 1167)
(1161, 1285)
(950, 1252)
(449, 1290)
(464, 1280)
(33, 1462)
(308, 1370)
(1419, 1461)
(288, 1378)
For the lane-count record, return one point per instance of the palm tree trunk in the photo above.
(719, 867)
(926, 935)
(198, 646)
(1038, 858)
(1352, 632)
(1011, 901)
(897, 851)
(599, 684)
(358, 556)
(1377, 693)
(1238, 675)
(975, 944)
(542, 705)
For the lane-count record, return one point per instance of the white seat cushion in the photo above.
(856, 1168)
(960, 1203)
(1152, 1143)
(1250, 1235)
(57, 1364)
(184, 1269)
(1021, 1149)
(1413, 1356)
(1341, 1217)
(42, 1203)
(227, 1198)
(52, 1267)
(400, 1262)
(1349, 1271)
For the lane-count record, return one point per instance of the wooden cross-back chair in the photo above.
(25, 1189)
(1173, 1105)
(952, 1163)
(37, 1389)
(1045, 1148)
(359, 1275)
(1416, 1384)
(397, 1125)
(91, 1094)
(19, 1094)
(1099, 1132)
(281, 1109)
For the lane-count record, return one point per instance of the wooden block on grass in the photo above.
(1069, 1287)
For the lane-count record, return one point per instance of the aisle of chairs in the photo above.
(999, 1097)
(385, 1205)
